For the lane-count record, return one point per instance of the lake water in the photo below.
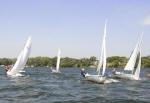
(41, 86)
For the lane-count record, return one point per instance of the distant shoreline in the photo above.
(112, 62)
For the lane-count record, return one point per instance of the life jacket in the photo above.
(7, 68)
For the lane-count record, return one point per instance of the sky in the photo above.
(74, 26)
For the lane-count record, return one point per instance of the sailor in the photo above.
(114, 71)
(83, 73)
(7, 68)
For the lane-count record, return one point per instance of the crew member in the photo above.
(7, 68)
(114, 71)
(83, 73)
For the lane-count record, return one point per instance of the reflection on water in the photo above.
(41, 86)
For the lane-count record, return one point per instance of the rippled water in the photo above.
(41, 86)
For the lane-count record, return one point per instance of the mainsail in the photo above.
(102, 60)
(22, 58)
(137, 72)
(58, 60)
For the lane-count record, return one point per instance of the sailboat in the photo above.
(58, 63)
(21, 60)
(100, 78)
(134, 74)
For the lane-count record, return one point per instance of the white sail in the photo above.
(17, 64)
(22, 58)
(138, 69)
(131, 63)
(58, 60)
(137, 72)
(102, 60)
(27, 50)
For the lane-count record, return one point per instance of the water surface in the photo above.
(41, 86)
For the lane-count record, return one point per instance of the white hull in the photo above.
(126, 76)
(55, 71)
(95, 78)
(14, 75)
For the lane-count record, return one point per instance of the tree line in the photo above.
(114, 61)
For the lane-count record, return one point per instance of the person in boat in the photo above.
(7, 68)
(114, 71)
(83, 72)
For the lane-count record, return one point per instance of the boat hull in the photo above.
(126, 76)
(95, 78)
(14, 75)
(55, 71)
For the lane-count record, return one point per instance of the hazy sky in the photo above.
(75, 26)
